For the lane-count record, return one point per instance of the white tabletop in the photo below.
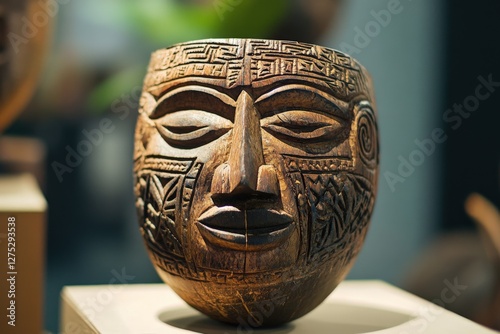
(355, 307)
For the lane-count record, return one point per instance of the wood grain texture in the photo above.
(256, 165)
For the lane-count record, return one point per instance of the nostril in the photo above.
(267, 190)
(220, 180)
(268, 180)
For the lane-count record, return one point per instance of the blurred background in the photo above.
(439, 134)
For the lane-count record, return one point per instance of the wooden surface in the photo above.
(355, 307)
(256, 165)
(20, 198)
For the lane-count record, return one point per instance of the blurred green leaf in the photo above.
(111, 90)
(166, 22)
(254, 19)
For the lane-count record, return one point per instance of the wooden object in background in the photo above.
(21, 199)
(487, 217)
(25, 28)
(256, 165)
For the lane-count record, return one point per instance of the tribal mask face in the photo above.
(256, 168)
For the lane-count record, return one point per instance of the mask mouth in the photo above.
(245, 230)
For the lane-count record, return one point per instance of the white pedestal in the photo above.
(354, 307)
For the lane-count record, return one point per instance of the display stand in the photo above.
(22, 250)
(354, 307)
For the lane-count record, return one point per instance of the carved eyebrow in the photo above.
(314, 100)
(195, 97)
(202, 89)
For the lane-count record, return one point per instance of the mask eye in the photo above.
(191, 128)
(193, 116)
(304, 115)
(305, 126)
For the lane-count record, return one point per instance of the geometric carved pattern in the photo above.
(282, 58)
(336, 204)
(367, 137)
(237, 62)
(159, 223)
(195, 59)
(319, 164)
(161, 164)
(158, 192)
(339, 205)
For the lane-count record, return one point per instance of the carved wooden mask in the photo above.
(256, 166)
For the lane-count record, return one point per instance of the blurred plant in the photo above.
(161, 23)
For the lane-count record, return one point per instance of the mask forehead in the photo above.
(229, 63)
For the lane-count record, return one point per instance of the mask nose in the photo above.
(245, 173)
